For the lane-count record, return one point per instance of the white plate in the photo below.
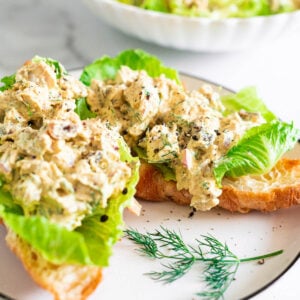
(192, 33)
(246, 235)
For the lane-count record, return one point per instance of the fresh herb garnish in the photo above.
(220, 264)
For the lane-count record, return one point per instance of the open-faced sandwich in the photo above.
(67, 174)
(196, 147)
(64, 180)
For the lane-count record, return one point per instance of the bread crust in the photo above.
(153, 187)
(65, 282)
(263, 195)
(283, 195)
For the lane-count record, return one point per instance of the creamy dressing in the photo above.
(54, 164)
(184, 129)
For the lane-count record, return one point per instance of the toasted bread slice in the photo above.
(279, 188)
(65, 282)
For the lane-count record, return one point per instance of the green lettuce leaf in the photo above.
(155, 5)
(55, 243)
(242, 9)
(166, 171)
(7, 203)
(181, 8)
(248, 100)
(107, 67)
(83, 110)
(258, 150)
(89, 244)
(7, 82)
(56, 65)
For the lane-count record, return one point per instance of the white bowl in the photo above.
(191, 33)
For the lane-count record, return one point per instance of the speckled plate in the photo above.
(246, 235)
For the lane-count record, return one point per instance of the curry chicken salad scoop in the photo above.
(59, 173)
(189, 141)
(183, 129)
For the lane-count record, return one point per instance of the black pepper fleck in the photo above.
(217, 132)
(191, 214)
(103, 218)
(67, 128)
(147, 95)
(261, 262)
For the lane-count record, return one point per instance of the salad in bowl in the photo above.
(218, 8)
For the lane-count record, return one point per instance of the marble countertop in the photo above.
(69, 32)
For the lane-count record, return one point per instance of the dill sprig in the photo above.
(220, 264)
